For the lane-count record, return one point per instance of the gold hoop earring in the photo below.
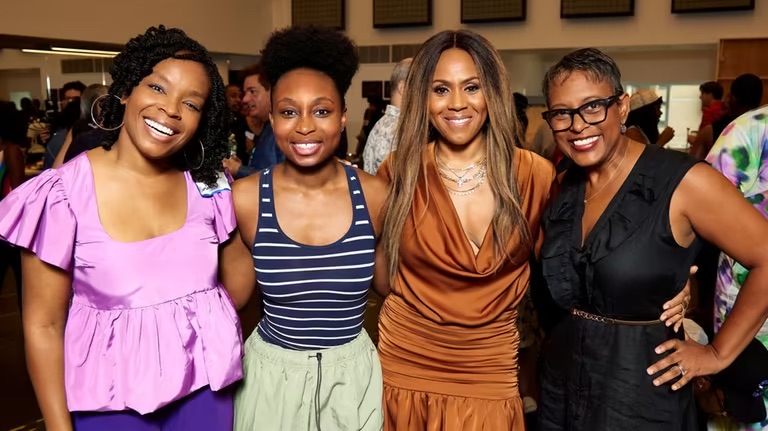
(202, 157)
(93, 117)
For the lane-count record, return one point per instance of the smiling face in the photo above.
(163, 111)
(307, 116)
(457, 106)
(588, 145)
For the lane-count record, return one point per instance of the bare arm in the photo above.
(236, 270)
(14, 158)
(45, 303)
(703, 143)
(720, 214)
(635, 135)
(59, 160)
(236, 263)
(665, 136)
(375, 190)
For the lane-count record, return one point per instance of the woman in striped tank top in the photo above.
(310, 226)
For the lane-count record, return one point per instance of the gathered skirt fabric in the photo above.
(291, 390)
(407, 410)
(441, 377)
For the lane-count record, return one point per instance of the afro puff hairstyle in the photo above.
(136, 61)
(311, 47)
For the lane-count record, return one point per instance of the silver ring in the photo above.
(682, 371)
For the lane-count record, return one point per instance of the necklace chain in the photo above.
(460, 173)
(460, 181)
(610, 179)
(470, 190)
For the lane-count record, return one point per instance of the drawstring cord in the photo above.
(319, 357)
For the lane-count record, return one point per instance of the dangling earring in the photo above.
(93, 117)
(202, 157)
(623, 129)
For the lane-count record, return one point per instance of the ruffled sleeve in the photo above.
(220, 197)
(37, 216)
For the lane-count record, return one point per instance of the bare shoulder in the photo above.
(702, 179)
(374, 187)
(245, 195)
(635, 134)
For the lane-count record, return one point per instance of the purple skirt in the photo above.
(203, 410)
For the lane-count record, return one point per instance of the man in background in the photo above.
(380, 141)
(256, 145)
(745, 95)
(71, 91)
(712, 108)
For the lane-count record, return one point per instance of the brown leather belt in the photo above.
(612, 321)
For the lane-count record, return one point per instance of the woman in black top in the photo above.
(620, 238)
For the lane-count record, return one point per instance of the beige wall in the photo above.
(653, 24)
(49, 67)
(231, 26)
(20, 80)
(652, 46)
(242, 26)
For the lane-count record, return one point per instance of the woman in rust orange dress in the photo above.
(462, 215)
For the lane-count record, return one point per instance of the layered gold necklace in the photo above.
(461, 176)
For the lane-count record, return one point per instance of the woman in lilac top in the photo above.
(126, 324)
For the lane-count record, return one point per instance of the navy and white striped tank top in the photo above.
(314, 296)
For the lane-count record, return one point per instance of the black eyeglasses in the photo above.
(592, 112)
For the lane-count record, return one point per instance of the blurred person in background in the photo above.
(85, 122)
(644, 117)
(12, 138)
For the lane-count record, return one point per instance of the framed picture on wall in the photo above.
(373, 89)
(596, 8)
(327, 13)
(475, 11)
(692, 6)
(401, 13)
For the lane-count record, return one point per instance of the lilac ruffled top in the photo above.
(149, 321)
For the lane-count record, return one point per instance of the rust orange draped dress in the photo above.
(447, 334)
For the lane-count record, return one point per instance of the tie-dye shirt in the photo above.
(741, 154)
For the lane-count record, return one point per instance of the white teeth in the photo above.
(459, 120)
(307, 145)
(159, 127)
(585, 141)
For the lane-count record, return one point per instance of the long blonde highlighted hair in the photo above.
(415, 132)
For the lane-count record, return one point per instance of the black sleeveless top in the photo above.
(593, 375)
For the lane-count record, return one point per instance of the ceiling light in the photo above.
(85, 51)
(76, 54)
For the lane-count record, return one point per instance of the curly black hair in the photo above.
(311, 47)
(136, 61)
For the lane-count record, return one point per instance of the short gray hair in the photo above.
(597, 65)
(399, 73)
